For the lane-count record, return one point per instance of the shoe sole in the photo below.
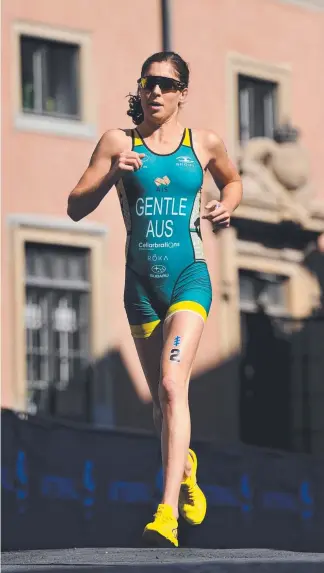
(195, 460)
(188, 520)
(155, 539)
(193, 523)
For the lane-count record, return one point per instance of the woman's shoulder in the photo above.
(207, 138)
(116, 138)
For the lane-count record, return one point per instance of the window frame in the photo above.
(90, 237)
(301, 287)
(272, 309)
(41, 342)
(43, 50)
(239, 64)
(85, 126)
(254, 85)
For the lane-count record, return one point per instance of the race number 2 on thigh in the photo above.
(175, 353)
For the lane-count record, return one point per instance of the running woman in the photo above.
(158, 170)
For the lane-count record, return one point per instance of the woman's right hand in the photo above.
(108, 163)
(127, 161)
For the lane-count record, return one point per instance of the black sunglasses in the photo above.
(165, 83)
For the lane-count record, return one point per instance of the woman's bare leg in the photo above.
(182, 333)
(149, 351)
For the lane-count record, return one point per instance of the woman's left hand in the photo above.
(218, 214)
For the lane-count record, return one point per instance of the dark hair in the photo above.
(181, 68)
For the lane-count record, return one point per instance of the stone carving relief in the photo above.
(276, 177)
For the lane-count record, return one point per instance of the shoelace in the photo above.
(161, 516)
(190, 492)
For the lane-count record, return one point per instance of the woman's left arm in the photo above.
(226, 178)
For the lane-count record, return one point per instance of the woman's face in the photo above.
(161, 104)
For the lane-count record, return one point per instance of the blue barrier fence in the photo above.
(66, 486)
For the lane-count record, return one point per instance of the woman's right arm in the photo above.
(107, 164)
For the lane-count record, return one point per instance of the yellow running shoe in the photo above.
(192, 501)
(163, 531)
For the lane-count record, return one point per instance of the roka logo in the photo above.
(158, 269)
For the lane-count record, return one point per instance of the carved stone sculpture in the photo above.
(276, 176)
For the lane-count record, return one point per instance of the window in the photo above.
(264, 290)
(50, 77)
(56, 320)
(257, 107)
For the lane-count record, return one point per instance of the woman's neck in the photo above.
(164, 133)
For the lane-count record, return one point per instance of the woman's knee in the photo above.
(172, 390)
